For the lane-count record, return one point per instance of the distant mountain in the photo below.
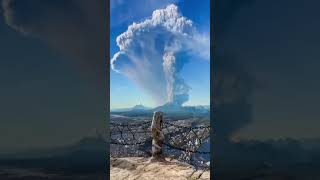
(134, 108)
(173, 108)
(85, 158)
(198, 109)
(89, 144)
(139, 107)
(170, 107)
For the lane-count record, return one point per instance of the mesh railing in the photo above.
(130, 134)
(189, 143)
(184, 138)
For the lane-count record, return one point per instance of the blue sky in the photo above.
(196, 73)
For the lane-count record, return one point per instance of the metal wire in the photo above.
(183, 142)
(130, 133)
(183, 138)
(186, 138)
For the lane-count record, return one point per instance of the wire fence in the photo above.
(189, 142)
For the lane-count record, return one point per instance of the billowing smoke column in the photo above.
(150, 54)
(176, 87)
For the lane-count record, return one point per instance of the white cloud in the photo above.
(149, 53)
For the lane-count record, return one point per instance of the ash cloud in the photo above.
(151, 54)
(233, 89)
(233, 85)
(74, 28)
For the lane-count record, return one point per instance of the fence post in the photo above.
(157, 135)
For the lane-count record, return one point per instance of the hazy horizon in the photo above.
(155, 106)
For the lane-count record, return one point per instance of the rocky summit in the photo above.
(141, 168)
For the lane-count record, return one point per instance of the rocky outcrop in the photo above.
(140, 168)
